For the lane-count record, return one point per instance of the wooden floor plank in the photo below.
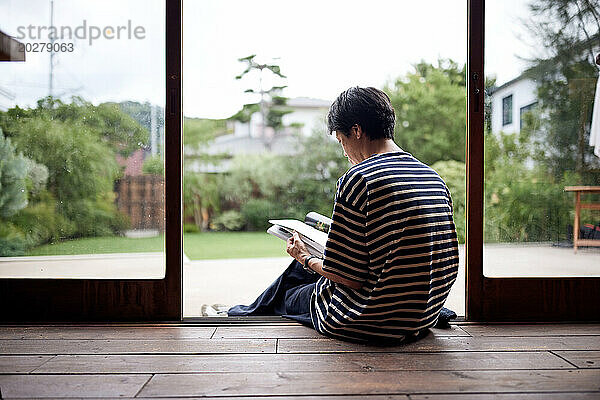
(346, 397)
(533, 330)
(240, 363)
(398, 382)
(265, 332)
(466, 396)
(432, 343)
(196, 346)
(582, 359)
(298, 332)
(99, 332)
(21, 364)
(511, 396)
(452, 331)
(55, 386)
(531, 362)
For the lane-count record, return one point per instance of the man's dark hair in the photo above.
(368, 107)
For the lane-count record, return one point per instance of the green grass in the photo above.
(215, 245)
(198, 246)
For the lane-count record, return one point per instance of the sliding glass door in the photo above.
(90, 141)
(531, 97)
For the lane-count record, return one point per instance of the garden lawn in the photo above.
(198, 246)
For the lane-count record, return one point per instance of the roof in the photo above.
(233, 145)
(281, 144)
(308, 102)
(527, 73)
(494, 89)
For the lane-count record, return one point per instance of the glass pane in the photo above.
(542, 139)
(82, 143)
(239, 172)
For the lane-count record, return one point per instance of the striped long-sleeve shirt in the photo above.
(393, 232)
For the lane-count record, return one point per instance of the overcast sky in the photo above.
(323, 47)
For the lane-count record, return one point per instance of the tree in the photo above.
(430, 105)
(313, 173)
(264, 187)
(107, 121)
(13, 174)
(77, 143)
(21, 179)
(568, 31)
(522, 202)
(201, 190)
(453, 173)
(271, 105)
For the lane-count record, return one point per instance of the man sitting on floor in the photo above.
(392, 253)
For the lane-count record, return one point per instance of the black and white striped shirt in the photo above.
(392, 231)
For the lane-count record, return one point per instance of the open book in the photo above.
(313, 231)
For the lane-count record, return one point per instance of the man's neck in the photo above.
(380, 146)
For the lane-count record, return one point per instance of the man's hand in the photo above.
(296, 248)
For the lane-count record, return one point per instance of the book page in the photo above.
(303, 229)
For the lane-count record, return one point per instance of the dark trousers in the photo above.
(288, 296)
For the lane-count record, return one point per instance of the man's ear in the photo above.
(357, 131)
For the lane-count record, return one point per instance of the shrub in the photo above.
(40, 223)
(528, 211)
(96, 217)
(77, 144)
(153, 166)
(13, 173)
(523, 200)
(191, 228)
(230, 221)
(12, 241)
(454, 174)
(37, 177)
(257, 212)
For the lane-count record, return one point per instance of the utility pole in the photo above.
(52, 39)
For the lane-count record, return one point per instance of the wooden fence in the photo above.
(142, 198)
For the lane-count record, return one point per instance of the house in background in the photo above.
(510, 101)
(306, 116)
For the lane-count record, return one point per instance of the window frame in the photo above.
(525, 109)
(507, 299)
(103, 300)
(507, 118)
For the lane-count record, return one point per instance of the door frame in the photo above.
(101, 300)
(507, 299)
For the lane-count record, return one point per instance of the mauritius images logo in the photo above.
(85, 31)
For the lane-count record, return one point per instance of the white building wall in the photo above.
(310, 118)
(310, 113)
(524, 93)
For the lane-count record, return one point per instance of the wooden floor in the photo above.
(278, 361)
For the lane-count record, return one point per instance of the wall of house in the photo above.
(523, 94)
(310, 118)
